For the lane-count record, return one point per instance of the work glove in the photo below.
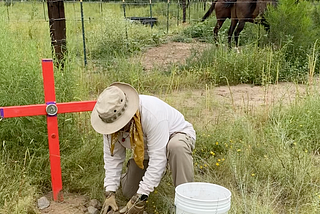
(135, 205)
(110, 203)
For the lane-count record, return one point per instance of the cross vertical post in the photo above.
(52, 126)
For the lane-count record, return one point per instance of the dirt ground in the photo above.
(240, 96)
(170, 53)
(72, 204)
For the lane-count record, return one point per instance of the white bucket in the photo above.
(202, 198)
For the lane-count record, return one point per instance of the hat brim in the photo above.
(133, 105)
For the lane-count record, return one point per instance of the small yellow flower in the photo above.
(223, 159)
(196, 164)
(205, 165)
(253, 174)
(155, 192)
(306, 151)
(217, 143)
(209, 135)
(217, 164)
(238, 150)
(212, 153)
(201, 167)
(219, 160)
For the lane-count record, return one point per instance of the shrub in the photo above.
(292, 26)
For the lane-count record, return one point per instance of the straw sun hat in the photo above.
(115, 107)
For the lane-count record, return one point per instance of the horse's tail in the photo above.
(208, 13)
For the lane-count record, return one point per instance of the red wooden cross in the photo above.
(51, 109)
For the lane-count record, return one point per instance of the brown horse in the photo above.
(240, 12)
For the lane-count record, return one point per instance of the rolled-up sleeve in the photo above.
(112, 164)
(157, 138)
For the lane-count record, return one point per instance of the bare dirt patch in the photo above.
(72, 204)
(170, 53)
(207, 106)
(259, 96)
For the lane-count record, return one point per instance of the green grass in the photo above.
(269, 159)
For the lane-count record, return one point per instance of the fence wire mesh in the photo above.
(109, 22)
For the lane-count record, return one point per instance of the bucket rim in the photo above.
(228, 196)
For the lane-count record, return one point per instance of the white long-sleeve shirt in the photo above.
(159, 120)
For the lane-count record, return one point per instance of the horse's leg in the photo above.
(233, 25)
(217, 28)
(265, 24)
(238, 30)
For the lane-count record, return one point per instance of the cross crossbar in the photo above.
(50, 109)
(40, 109)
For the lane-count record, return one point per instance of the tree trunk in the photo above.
(184, 11)
(57, 23)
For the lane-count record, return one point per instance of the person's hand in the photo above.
(135, 205)
(110, 203)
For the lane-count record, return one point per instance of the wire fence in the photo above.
(193, 7)
(158, 17)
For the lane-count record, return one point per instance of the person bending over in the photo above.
(157, 134)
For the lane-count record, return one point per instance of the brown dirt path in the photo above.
(170, 53)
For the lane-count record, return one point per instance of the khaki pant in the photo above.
(179, 156)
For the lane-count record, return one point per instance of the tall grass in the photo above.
(17, 194)
(269, 159)
(293, 37)
(25, 169)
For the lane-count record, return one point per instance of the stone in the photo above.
(93, 210)
(43, 203)
(84, 209)
(95, 203)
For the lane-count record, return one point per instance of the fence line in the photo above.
(106, 3)
(169, 10)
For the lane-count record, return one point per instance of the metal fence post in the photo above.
(151, 12)
(168, 14)
(83, 35)
(125, 17)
